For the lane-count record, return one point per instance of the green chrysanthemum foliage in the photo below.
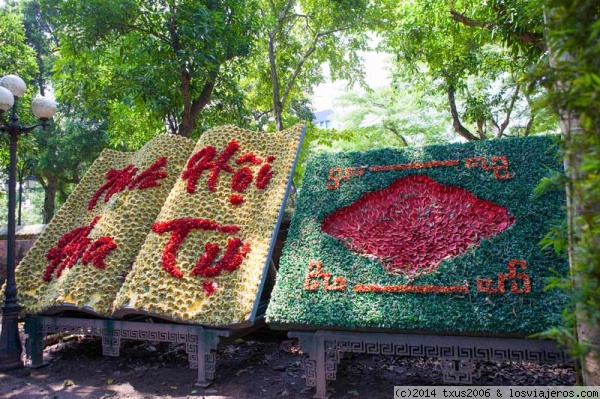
(328, 281)
(117, 223)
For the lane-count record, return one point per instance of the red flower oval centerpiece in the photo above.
(415, 223)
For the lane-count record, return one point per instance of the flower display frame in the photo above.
(493, 285)
(173, 230)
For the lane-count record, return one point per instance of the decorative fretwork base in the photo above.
(457, 353)
(199, 342)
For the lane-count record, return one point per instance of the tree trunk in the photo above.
(587, 332)
(458, 127)
(50, 190)
(278, 112)
(276, 97)
(578, 211)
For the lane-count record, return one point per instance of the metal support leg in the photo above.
(34, 343)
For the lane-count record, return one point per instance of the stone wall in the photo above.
(26, 236)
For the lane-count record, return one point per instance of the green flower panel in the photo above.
(431, 239)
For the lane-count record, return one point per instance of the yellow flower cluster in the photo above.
(150, 288)
(126, 217)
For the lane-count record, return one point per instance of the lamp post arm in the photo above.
(26, 129)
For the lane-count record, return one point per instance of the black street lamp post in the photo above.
(11, 88)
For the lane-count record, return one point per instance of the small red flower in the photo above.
(264, 177)
(242, 179)
(236, 199)
(209, 287)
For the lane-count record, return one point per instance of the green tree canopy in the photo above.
(441, 49)
(395, 116)
(296, 38)
(163, 56)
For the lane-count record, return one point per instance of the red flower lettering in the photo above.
(119, 180)
(242, 179)
(264, 177)
(69, 249)
(98, 251)
(203, 160)
(231, 260)
(149, 177)
(116, 181)
(180, 229)
(249, 157)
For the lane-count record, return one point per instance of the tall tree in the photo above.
(564, 50)
(39, 36)
(16, 56)
(395, 115)
(66, 147)
(574, 28)
(64, 152)
(479, 76)
(165, 56)
(296, 39)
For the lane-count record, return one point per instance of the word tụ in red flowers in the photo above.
(207, 265)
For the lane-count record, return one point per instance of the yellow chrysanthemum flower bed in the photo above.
(85, 253)
(205, 258)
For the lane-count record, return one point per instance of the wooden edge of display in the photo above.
(124, 312)
(255, 306)
(314, 328)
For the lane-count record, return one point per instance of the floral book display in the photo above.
(174, 230)
(438, 239)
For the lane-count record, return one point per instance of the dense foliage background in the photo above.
(124, 71)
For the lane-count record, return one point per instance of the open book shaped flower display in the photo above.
(175, 230)
(440, 239)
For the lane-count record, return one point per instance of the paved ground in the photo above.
(263, 365)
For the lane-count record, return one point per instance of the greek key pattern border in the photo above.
(198, 340)
(325, 350)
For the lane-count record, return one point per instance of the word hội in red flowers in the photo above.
(204, 160)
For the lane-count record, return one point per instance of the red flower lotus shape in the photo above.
(415, 223)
